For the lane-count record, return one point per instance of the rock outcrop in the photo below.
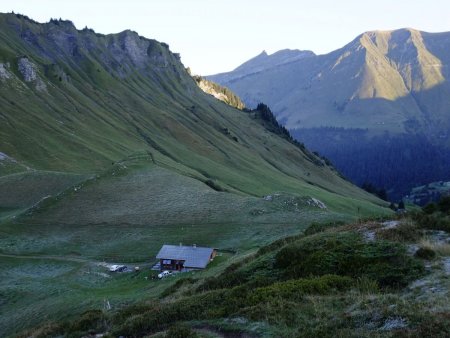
(4, 71)
(27, 69)
(219, 92)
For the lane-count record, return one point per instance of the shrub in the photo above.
(348, 255)
(275, 311)
(44, 331)
(177, 285)
(367, 285)
(444, 204)
(436, 325)
(278, 244)
(425, 253)
(439, 248)
(180, 331)
(89, 321)
(430, 208)
(321, 227)
(132, 310)
(295, 289)
(254, 269)
(226, 280)
(434, 221)
(404, 232)
(161, 315)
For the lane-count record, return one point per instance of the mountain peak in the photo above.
(390, 31)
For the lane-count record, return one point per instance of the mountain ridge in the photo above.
(93, 100)
(390, 84)
(369, 49)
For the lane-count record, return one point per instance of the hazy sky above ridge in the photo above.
(217, 36)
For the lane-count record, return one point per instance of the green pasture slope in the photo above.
(49, 253)
(113, 150)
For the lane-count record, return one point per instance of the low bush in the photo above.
(439, 248)
(296, 289)
(161, 315)
(132, 310)
(321, 227)
(92, 321)
(404, 232)
(225, 280)
(46, 330)
(180, 331)
(436, 325)
(278, 244)
(430, 208)
(444, 205)
(425, 253)
(367, 286)
(177, 285)
(348, 254)
(435, 221)
(253, 268)
(277, 311)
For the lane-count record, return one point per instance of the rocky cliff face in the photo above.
(27, 69)
(119, 54)
(219, 92)
(4, 71)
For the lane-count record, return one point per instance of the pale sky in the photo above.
(217, 36)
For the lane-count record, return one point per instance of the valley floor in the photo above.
(59, 231)
(364, 279)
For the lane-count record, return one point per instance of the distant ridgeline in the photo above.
(378, 108)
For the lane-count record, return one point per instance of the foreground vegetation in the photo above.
(371, 278)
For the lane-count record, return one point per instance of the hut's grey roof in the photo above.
(194, 257)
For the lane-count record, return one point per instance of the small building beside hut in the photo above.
(178, 257)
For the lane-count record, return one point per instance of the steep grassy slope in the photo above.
(83, 101)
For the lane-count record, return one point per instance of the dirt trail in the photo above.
(50, 257)
(76, 260)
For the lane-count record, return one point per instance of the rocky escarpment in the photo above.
(219, 92)
(4, 71)
(28, 70)
(119, 54)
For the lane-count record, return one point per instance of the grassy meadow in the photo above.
(51, 247)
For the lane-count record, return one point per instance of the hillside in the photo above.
(367, 279)
(77, 101)
(385, 84)
(109, 149)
